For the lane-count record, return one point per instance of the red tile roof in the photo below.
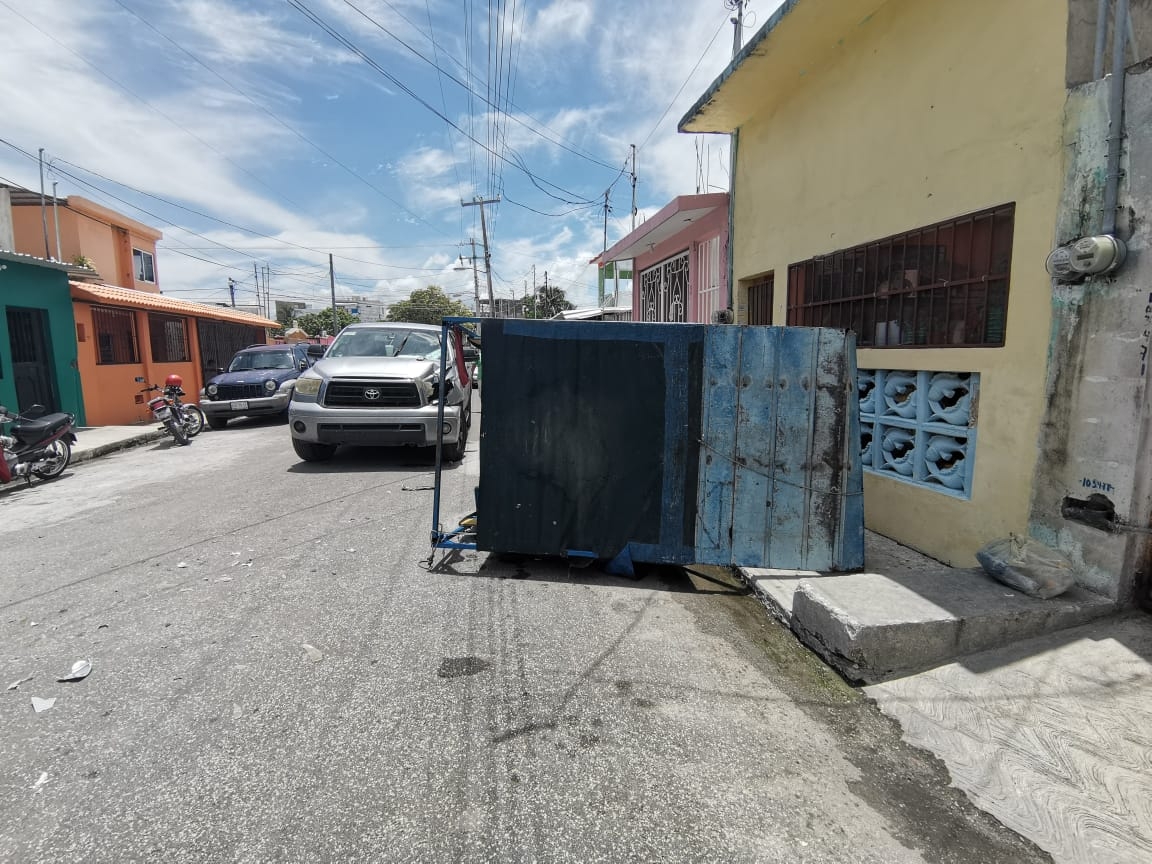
(113, 295)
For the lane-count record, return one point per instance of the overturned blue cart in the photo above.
(665, 443)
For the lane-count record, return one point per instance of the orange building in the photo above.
(127, 329)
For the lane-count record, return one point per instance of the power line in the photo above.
(147, 104)
(273, 116)
(685, 84)
(351, 46)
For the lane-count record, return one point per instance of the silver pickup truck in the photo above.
(379, 385)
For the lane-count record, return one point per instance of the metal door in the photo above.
(32, 367)
(219, 340)
(664, 290)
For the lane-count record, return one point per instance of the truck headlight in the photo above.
(307, 386)
(270, 385)
(211, 389)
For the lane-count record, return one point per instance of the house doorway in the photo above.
(664, 290)
(32, 368)
(761, 291)
(219, 340)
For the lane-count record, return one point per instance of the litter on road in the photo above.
(39, 704)
(16, 684)
(78, 672)
(314, 654)
(182, 565)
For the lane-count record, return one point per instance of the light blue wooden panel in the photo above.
(780, 479)
(720, 396)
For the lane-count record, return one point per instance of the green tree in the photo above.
(427, 306)
(314, 323)
(548, 301)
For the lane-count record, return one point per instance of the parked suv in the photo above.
(378, 384)
(258, 382)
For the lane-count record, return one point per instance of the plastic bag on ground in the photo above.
(1028, 566)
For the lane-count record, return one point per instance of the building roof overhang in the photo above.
(798, 38)
(675, 217)
(113, 295)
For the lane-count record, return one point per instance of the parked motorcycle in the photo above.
(40, 444)
(181, 421)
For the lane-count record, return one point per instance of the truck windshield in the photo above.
(390, 342)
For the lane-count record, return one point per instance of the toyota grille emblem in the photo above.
(372, 393)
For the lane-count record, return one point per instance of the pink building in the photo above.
(680, 261)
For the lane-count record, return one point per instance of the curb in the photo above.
(89, 454)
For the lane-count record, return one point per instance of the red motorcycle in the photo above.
(40, 444)
(181, 421)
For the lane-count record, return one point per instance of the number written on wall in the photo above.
(1097, 485)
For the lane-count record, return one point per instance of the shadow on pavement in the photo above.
(369, 459)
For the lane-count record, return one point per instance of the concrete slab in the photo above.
(909, 613)
(95, 441)
(1051, 736)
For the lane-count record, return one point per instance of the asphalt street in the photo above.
(277, 676)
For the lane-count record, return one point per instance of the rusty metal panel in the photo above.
(780, 467)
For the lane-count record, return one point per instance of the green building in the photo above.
(37, 336)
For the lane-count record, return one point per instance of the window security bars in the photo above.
(945, 285)
(920, 427)
(708, 268)
(664, 290)
(169, 339)
(115, 336)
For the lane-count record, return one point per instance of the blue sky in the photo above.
(260, 137)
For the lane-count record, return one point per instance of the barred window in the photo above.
(169, 339)
(941, 286)
(115, 335)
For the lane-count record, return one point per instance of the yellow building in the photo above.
(898, 173)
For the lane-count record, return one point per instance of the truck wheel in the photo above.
(217, 423)
(455, 452)
(310, 452)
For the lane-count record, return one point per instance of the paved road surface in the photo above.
(483, 713)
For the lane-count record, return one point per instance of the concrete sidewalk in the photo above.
(907, 613)
(1052, 736)
(95, 441)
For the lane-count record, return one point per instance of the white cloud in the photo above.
(559, 22)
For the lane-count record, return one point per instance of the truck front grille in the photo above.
(344, 392)
(240, 391)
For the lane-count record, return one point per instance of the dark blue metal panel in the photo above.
(747, 435)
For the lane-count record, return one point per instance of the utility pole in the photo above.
(56, 219)
(606, 209)
(475, 275)
(633, 187)
(44, 207)
(480, 202)
(737, 6)
(256, 276)
(332, 284)
(232, 290)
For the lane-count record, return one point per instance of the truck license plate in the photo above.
(239, 406)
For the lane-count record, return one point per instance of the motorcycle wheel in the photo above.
(177, 430)
(193, 420)
(57, 456)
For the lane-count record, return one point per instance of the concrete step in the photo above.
(908, 613)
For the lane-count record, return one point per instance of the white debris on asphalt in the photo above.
(314, 654)
(182, 565)
(78, 672)
(16, 684)
(39, 704)
(43, 779)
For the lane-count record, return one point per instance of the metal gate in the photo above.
(760, 296)
(664, 290)
(219, 340)
(32, 368)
